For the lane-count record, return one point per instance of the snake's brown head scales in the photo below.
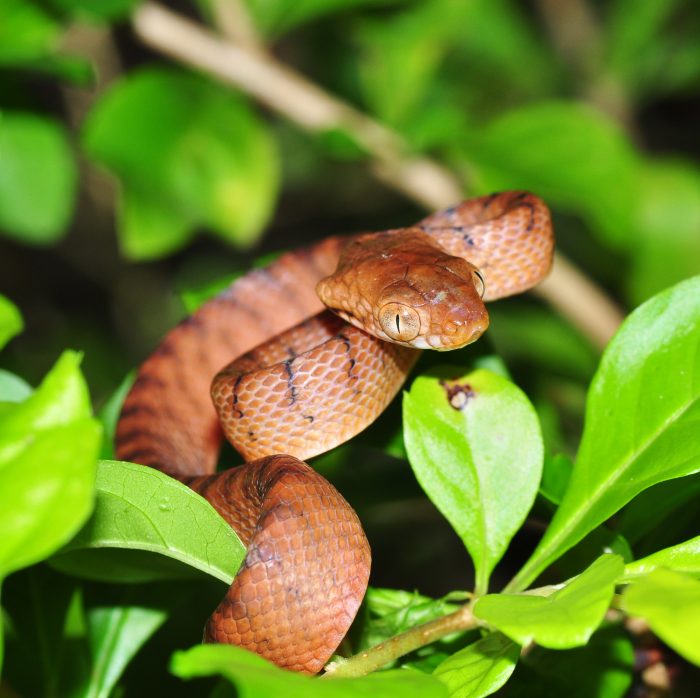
(404, 288)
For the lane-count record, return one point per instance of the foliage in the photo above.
(110, 157)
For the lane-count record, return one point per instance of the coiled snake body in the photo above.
(305, 380)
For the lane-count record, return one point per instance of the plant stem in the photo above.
(399, 645)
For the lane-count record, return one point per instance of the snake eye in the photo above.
(479, 283)
(400, 322)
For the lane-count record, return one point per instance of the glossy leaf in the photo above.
(141, 509)
(642, 418)
(475, 446)
(670, 603)
(10, 323)
(48, 450)
(37, 178)
(187, 154)
(684, 557)
(254, 676)
(481, 668)
(566, 618)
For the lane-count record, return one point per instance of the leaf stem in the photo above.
(376, 657)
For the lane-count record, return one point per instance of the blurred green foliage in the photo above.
(132, 188)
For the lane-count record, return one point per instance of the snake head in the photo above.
(405, 289)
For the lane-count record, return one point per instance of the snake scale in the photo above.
(304, 379)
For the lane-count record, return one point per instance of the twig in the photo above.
(296, 98)
(232, 19)
(376, 657)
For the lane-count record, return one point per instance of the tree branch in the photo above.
(424, 181)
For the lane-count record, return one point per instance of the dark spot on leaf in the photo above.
(458, 394)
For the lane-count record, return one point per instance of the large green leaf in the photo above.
(571, 155)
(565, 618)
(670, 603)
(255, 677)
(475, 446)
(642, 420)
(141, 509)
(37, 178)
(684, 557)
(48, 449)
(481, 668)
(10, 323)
(187, 153)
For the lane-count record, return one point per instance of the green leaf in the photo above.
(642, 419)
(555, 477)
(13, 388)
(141, 509)
(11, 323)
(46, 648)
(479, 669)
(573, 156)
(667, 220)
(37, 178)
(392, 611)
(566, 618)
(670, 603)
(91, 11)
(275, 17)
(406, 54)
(26, 32)
(48, 448)
(684, 557)
(254, 676)
(475, 446)
(602, 668)
(117, 632)
(187, 154)
(634, 38)
(109, 415)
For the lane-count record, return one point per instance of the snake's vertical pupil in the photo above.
(398, 327)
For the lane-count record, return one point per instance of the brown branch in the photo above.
(301, 101)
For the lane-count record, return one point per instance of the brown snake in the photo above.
(305, 380)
